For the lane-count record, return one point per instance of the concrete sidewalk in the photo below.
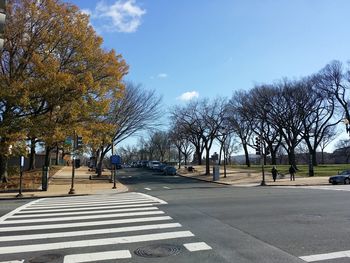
(60, 184)
(243, 177)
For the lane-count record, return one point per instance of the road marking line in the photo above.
(97, 208)
(84, 224)
(148, 189)
(95, 242)
(99, 256)
(13, 261)
(165, 187)
(87, 202)
(88, 232)
(154, 198)
(87, 212)
(105, 198)
(71, 218)
(84, 198)
(8, 215)
(89, 205)
(198, 246)
(326, 256)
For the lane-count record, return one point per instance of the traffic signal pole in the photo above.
(72, 190)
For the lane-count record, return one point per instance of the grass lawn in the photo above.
(303, 170)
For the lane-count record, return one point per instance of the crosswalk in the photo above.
(88, 228)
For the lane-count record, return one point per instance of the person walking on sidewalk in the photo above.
(274, 173)
(292, 171)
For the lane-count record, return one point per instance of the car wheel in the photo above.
(346, 181)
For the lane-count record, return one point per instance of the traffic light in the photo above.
(257, 145)
(2, 21)
(79, 143)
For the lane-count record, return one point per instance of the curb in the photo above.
(123, 190)
(258, 184)
(203, 180)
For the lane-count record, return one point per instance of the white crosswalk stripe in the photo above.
(89, 224)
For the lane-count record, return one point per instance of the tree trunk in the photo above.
(314, 158)
(247, 161)
(322, 156)
(32, 155)
(220, 152)
(100, 163)
(291, 157)
(56, 162)
(3, 168)
(207, 160)
(179, 157)
(199, 155)
(273, 158)
(47, 157)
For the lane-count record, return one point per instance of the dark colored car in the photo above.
(341, 178)
(170, 170)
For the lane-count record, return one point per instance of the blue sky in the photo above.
(215, 47)
(205, 48)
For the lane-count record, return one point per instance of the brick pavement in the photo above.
(60, 184)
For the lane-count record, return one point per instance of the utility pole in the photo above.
(72, 190)
(21, 167)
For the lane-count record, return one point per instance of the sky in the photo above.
(186, 49)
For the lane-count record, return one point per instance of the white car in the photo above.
(154, 164)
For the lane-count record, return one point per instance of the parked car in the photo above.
(341, 178)
(153, 164)
(162, 167)
(170, 170)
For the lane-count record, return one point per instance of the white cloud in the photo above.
(86, 12)
(188, 96)
(122, 16)
(162, 75)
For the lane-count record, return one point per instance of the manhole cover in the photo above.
(157, 251)
(49, 258)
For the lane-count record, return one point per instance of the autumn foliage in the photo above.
(55, 77)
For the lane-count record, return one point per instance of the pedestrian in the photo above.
(274, 173)
(292, 171)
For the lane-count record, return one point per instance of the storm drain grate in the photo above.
(158, 250)
(48, 258)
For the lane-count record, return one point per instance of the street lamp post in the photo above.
(112, 170)
(72, 190)
(262, 149)
(263, 183)
(21, 177)
(224, 133)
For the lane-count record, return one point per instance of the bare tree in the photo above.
(188, 123)
(159, 140)
(138, 110)
(239, 122)
(329, 135)
(320, 110)
(183, 145)
(335, 82)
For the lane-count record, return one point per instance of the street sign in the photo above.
(68, 141)
(116, 159)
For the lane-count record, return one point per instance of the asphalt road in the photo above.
(257, 224)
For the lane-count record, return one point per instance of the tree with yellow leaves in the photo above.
(55, 75)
